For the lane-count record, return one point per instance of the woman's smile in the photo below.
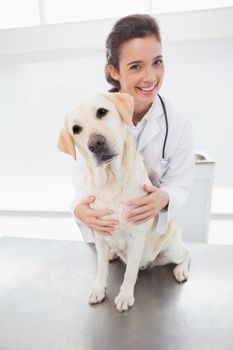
(147, 90)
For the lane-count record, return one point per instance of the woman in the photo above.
(135, 66)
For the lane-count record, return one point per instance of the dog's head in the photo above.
(97, 127)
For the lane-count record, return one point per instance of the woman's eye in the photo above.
(135, 67)
(159, 61)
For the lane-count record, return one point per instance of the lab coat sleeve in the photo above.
(78, 177)
(178, 178)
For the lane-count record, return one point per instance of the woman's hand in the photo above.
(148, 206)
(92, 218)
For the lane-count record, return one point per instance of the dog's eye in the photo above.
(101, 112)
(77, 129)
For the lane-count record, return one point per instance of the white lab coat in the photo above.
(175, 179)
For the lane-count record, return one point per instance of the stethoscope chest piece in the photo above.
(164, 163)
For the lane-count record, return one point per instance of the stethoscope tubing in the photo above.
(166, 130)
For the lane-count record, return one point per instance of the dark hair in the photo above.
(125, 29)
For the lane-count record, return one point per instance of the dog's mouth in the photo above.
(105, 158)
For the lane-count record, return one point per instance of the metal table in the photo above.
(44, 306)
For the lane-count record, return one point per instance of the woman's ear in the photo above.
(113, 72)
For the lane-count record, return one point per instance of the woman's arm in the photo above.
(173, 187)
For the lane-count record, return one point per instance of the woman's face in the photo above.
(141, 70)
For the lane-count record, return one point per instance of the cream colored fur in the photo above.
(113, 184)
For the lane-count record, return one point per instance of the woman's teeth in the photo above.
(146, 90)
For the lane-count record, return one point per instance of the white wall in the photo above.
(45, 71)
(199, 78)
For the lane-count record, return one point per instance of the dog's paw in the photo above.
(96, 295)
(181, 273)
(123, 302)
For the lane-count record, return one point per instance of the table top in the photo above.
(44, 305)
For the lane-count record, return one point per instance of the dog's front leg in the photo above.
(97, 294)
(125, 298)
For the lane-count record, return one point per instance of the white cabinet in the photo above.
(194, 216)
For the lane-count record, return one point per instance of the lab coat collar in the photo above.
(151, 128)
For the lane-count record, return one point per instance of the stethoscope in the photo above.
(164, 161)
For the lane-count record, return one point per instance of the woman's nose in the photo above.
(149, 75)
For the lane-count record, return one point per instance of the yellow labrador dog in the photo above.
(100, 129)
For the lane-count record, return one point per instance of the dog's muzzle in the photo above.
(98, 145)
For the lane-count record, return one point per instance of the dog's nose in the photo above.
(97, 143)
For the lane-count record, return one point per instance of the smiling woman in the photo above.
(135, 66)
(141, 78)
(134, 61)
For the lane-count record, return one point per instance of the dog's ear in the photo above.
(66, 143)
(124, 104)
